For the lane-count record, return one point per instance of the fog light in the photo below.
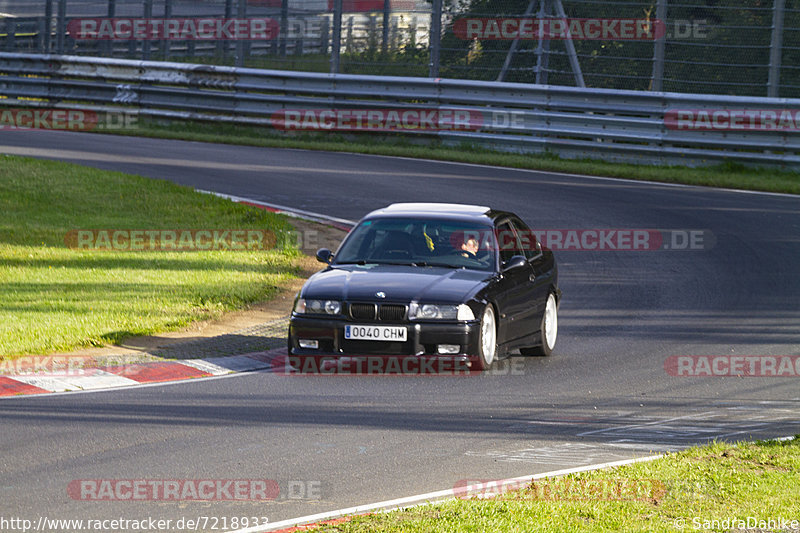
(448, 349)
(308, 344)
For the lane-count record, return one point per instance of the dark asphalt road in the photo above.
(604, 395)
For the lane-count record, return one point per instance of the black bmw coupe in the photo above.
(430, 280)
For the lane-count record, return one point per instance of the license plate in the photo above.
(376, 333)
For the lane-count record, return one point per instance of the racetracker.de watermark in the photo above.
(563, 489)
(533, 28)
(748, 366)
(66, 119)
(169, 240)
(396, 365)
(73, 365)
(185, 490)
(607, 239)
(787, 120)
(182, 29)
(377, 119)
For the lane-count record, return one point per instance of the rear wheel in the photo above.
(549, 328)
(487, 348)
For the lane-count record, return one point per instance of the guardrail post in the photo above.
(48, 24)
(148, 14)
(336, 40)
(240, 13)
(659, 50)
(435, 38)
(773, 85)
(61, 26)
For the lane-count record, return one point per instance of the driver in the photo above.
(469, 249)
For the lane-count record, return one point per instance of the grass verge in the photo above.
(699, 489)
(730, 175)
(54, 298)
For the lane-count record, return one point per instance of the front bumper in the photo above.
(422, 338)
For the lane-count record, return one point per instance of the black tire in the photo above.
(549, 326)
(487, 344)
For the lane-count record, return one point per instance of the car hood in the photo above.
(399, 283)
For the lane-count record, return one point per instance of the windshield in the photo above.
(419, 242)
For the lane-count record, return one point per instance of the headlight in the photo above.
(317, 307)
(440, 312)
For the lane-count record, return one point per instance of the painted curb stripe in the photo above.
(207, 366)
(12, 387)
(92, 379)
(157, 372)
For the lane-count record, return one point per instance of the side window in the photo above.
(528, 240)
(507, 242)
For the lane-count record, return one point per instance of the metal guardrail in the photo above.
(571, 122)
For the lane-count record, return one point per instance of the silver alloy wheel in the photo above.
(550, 322)
(488, 337)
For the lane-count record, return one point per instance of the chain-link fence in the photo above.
(744, 47)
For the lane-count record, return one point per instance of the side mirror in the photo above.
(324, 255)
(515, 262)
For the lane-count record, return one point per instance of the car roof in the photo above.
(437, 210)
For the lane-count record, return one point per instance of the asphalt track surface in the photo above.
(604, 395)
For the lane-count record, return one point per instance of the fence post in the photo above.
(514, 44)
(284, 27)
(11, 33)
(108, 46)
(323, 36)
(148, 14)
(165, 44)
(387, 11)
(336, 39)
(48, 24)
(435, 38)
(241, 13)
(61, 26)
(40, 42)
(543, 47)
(222, 45)
(659, 50)
(775, 46)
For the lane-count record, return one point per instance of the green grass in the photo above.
(716, 482)
(729, 175)
(55, 298)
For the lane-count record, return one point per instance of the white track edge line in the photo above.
(429, 497)
(292, 211)
(445, 495)
(584, 176)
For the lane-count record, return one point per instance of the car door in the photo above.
(541, 270)
(515, 286)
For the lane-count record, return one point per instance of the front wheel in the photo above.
(549, 329)
(487, 347)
